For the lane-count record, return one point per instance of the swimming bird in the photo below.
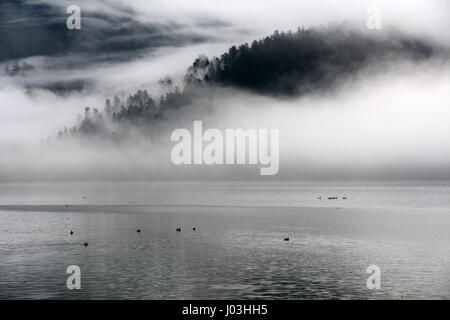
(71, 232)
(286, 239)
(138, 230)
(178, 229)
(344, 198)
(193, 229)
(86, 244)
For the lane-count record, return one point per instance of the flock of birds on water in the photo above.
(193, 229)
(332, 198)
(137, 230)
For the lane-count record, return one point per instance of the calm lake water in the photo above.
(237, 250)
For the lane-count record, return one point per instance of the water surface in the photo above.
(237, 249)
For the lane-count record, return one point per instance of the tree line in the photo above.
(281, 64)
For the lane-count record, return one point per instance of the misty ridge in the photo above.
(285, 65)
(349, 103)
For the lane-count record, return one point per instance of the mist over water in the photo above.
(385, 121)
(393, 124)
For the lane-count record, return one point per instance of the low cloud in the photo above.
(393, 123)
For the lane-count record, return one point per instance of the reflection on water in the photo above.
(237, 249)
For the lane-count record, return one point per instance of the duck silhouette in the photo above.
(71, 232)
(286, 239)
(138, 230)
(178, 229)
